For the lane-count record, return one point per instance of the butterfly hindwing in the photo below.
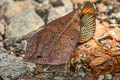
(87, 22)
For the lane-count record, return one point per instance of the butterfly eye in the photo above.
(87, 22)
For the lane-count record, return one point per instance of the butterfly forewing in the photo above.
(87, 22)
(55, 43)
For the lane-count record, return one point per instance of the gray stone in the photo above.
(13, 67)
(113, 25)
(7, 42)
(56, 3)
(1, 38)
(22, 25)
(2, 50)
(2, 2)
(2, 28)
(108, 76)
(57, 12)
(115, 15)
(116, 77)
(22, 45)
(17, 7)
(68, 4)
(109, 10)
(101, 77)
(1, 44)
(43, 9)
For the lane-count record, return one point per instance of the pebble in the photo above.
(113, 25)
(1, 38)
(56, 3)
(17, 7)
(116, 77)
(103, 7)
(109, 9)
(112, 21)
(1, 44)
(2, 2)
(101, 77)
(118, 21)
(2, 28)
(105, 23)
(39, 1)
(7, 42)
(43, 11)
(2, 50)
(115, 15)
(108, 76)
(13, 67)
(23, 25)
(57, 12)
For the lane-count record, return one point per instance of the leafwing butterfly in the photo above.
(54, 44)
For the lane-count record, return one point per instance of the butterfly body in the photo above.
(54, 44)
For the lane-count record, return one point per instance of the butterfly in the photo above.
(54, 44)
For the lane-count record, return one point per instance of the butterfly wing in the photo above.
(87, 22)
(54, 44)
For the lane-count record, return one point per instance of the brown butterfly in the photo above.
(54, 44)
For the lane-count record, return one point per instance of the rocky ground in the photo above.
(20, 19)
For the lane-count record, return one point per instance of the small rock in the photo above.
(112, 21)
(56, 3)
(113, 25)
(13, 67)
(109, 9)
(21, 46)
(24, 44)
(43, 11)
(88, 77)
(39, 1)
(7, 42)
(2, 2)
(1, 38)
(31, 66)
(101, 7)
(17, 7)
(105, 23)
(2, 28)
(2, 50)
(101, 77)
(68, 6)
(56, 13)
(116, 77)
(108, 76)
(118, 21)
(102, 16)
(81, 1)
(22, 25)
(1, 44)
(115, 15)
